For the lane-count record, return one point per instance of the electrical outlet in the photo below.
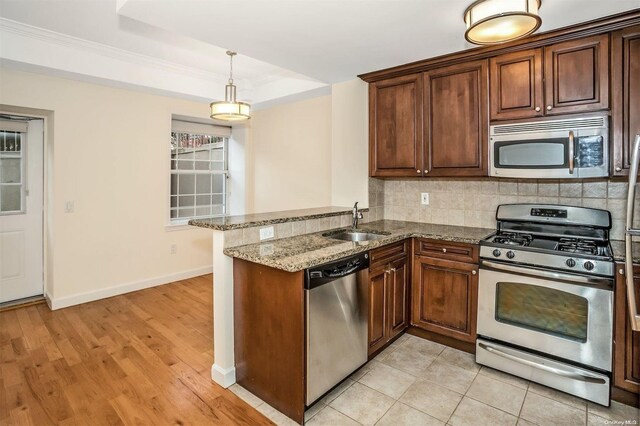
(69, 206)
(266, 233)
(173, 248)
(424, 198)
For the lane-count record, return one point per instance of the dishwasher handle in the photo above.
(323, 274)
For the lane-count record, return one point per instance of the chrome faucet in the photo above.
(356, 215)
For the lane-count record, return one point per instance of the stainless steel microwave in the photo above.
(568, 148)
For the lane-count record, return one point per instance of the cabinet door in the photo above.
(378, 330)
(456, 120)
(625, 83)
(398, 297)
(577, 75)
(626, 358)
(445, 295)
(395, 127)
(516, 85)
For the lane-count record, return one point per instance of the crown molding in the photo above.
(52, 37)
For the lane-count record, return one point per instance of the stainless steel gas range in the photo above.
(545, 299)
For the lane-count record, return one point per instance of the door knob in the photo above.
(537, 109)
(549, 107)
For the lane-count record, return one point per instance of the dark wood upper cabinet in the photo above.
(395, 127)
(625, 84)
(574, 79)
(626, 358)
(577, 75)
(516, 87)
(456, 120)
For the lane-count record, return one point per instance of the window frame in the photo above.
(182, 222)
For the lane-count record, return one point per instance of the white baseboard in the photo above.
(90, 296)
(225, 377)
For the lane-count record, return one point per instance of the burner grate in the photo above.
(572, 245)
(513, 239)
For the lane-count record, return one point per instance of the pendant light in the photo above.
(230, 109)
(499, 21)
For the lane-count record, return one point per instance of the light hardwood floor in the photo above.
(140, 358)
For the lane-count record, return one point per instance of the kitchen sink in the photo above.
(350, 235)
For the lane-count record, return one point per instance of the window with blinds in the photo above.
(199, 170)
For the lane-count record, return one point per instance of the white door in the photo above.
(21, 209)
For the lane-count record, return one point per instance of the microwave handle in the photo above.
(572, 154)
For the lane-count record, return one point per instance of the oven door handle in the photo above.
(553, 275)
(583, 377)
(572, 154)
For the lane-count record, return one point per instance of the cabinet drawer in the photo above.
(461, 252)
(380, 257)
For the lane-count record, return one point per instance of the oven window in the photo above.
(542, 309)
(542, 153)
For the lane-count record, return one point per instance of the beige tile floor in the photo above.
(419, 382)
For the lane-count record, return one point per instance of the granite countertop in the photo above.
(225, 223)
(305, 251)
(619, 254)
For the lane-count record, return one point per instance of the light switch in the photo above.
(69, 206)
(424, 198)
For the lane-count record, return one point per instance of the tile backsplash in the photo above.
(474, 202)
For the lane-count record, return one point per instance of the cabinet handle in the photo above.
(393, 270)
(444, 250)
(537, 109)
(621, 271)
(418, 171)
(549, 107)
(474, 272)
(618, 169)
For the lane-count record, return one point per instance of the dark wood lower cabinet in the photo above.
(626, 359)
(389, 279)
(445, 297)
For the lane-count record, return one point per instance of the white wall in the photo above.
(350, 143)
(112, 159)
(290, 156)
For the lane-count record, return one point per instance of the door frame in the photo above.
(47, 186)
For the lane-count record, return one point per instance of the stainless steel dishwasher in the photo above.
(337, 321)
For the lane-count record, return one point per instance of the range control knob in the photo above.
(588, 265)
(511, 254)
(497, 253)
(570, 263)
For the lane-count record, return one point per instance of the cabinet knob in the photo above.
(474, 272)
(537, 109)
(426, 171)
(618, 169)
(418, 171)
(621, 271)
(549, 107)
(444, 250)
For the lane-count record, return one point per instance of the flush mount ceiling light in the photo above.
(230, 109)
(499, 21)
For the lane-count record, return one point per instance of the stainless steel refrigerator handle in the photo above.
(571, 152)
(630, 232)
(583, 377)
(547, 274)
